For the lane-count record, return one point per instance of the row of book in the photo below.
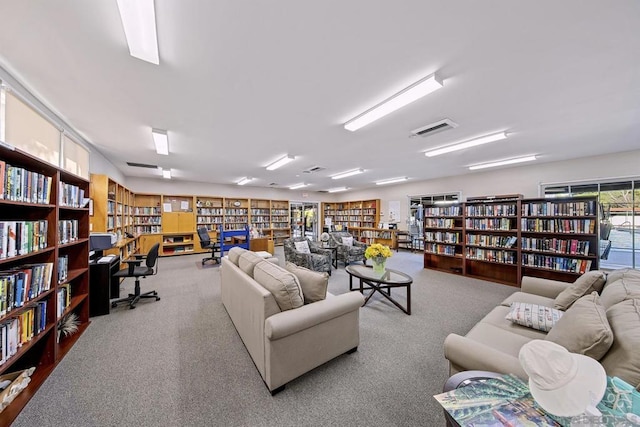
(63, 268)
(439, 222)
(22, 185)
(64, 299)
(242, 211)
(235, 219)
(67, 231)
(442, 211)
(583, 208)
(582, 226)
(492, 210)
(570, 265)
(146, 211)
(22, 237)
(563, 246)
(148, 220)
(22, 284)
(70, 195)
(442, 237)
(21, 329)
(489, 224)
(439, 249)
(254, 211)
(493, 255)
(148, 229)
(488, 240)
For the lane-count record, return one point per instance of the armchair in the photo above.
(319, 259)
(348, 254)
(135, 269)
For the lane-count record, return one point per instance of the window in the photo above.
(76, 157)
(619, 218)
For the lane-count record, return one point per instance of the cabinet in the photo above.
(371, 235)
(559, 237)
(178, 225)
(103, 286)
(45, 274)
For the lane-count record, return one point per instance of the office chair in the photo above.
(135, 269)
(206, 243)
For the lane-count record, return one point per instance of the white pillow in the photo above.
(303, 247)
(533, 316)
(347, 241)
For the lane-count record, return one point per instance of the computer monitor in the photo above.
(98, 242)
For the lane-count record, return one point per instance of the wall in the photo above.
(99, 164)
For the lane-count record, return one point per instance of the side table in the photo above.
(462, 379)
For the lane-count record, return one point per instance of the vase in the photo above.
(378, 264)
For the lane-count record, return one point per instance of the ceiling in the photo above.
(242, 83)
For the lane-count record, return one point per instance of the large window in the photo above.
(619, 217)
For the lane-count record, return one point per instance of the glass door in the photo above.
(304, 220)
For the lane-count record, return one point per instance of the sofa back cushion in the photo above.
(283, 285)
(584, 328)
(623, 359)
(584, 285)
(313, 283)
(620, 286)
(234, 254)
(247, 262)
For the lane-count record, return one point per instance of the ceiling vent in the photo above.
(313, 169)
(142, 165)
(434, 128)
(273, 184)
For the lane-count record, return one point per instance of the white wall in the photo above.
(99, 164)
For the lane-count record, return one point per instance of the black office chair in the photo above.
(135, 269)
(206, 243)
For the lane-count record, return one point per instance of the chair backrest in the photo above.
(152, 255)
(203, 235)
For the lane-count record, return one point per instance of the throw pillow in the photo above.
(584, 328)
(584, 285)
(533, 315)
(283, 285)
(347, 241)
(303, 247)
(313, 283)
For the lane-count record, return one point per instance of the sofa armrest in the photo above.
(543, 287)
(289, 322)
(473, 355)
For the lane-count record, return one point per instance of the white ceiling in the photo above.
(241, 83)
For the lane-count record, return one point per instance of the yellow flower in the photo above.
(377, 250)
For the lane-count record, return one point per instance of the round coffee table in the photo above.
(382, 283)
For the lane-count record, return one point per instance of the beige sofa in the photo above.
(605, 326)
(286, 343)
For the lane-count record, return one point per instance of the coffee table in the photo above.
(382, 283)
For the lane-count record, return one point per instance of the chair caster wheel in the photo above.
(157, 298)
(114, 305)
(131, 307)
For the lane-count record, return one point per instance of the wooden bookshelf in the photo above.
(443, 241)
(236, 214)
(352, 215)
(41, 250)
(178, 225)
(280, 221)
(147, 214)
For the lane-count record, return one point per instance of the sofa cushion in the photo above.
(234, 254)
(533, 316)
(248, 261)
(584, 285)
(584, 328)
(497, 338)
(496, 317)
(623, 358)
(313, 283)
(624, 286)
(283, 285)
(527, 298)
(302, 247)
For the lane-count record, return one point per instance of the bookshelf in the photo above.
(236, 214)
(371, 235)
(559, 237)
(147, 214)
(280, 223)
(209, 212)
(443, 241)
(35, 202)
(352, 215)
(261, 215)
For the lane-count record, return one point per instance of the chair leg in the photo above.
(133, 298)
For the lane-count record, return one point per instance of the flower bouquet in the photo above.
(378, 254)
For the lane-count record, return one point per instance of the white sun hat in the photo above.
(563, 383)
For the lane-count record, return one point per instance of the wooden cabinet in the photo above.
(146, 242)
(50, 252)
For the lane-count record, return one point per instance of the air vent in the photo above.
(273, 184)
(313, 169)
(434, 128)
(142, 165)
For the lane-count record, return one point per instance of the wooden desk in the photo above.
(261, 244)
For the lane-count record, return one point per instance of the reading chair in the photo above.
(135, 269)
(206, 243)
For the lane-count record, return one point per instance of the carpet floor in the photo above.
(180, 362)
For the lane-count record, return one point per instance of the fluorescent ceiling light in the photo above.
(280, 162)
(161, 140)
(471, 143)
(335, 190)
(166, 173)
(348, 173)
(404, 97)
(245, 180)
(392, 180)
(296, 186)
(446, 202)
(139, 22)
(503, 162)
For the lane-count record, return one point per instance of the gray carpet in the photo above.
(180, 362)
